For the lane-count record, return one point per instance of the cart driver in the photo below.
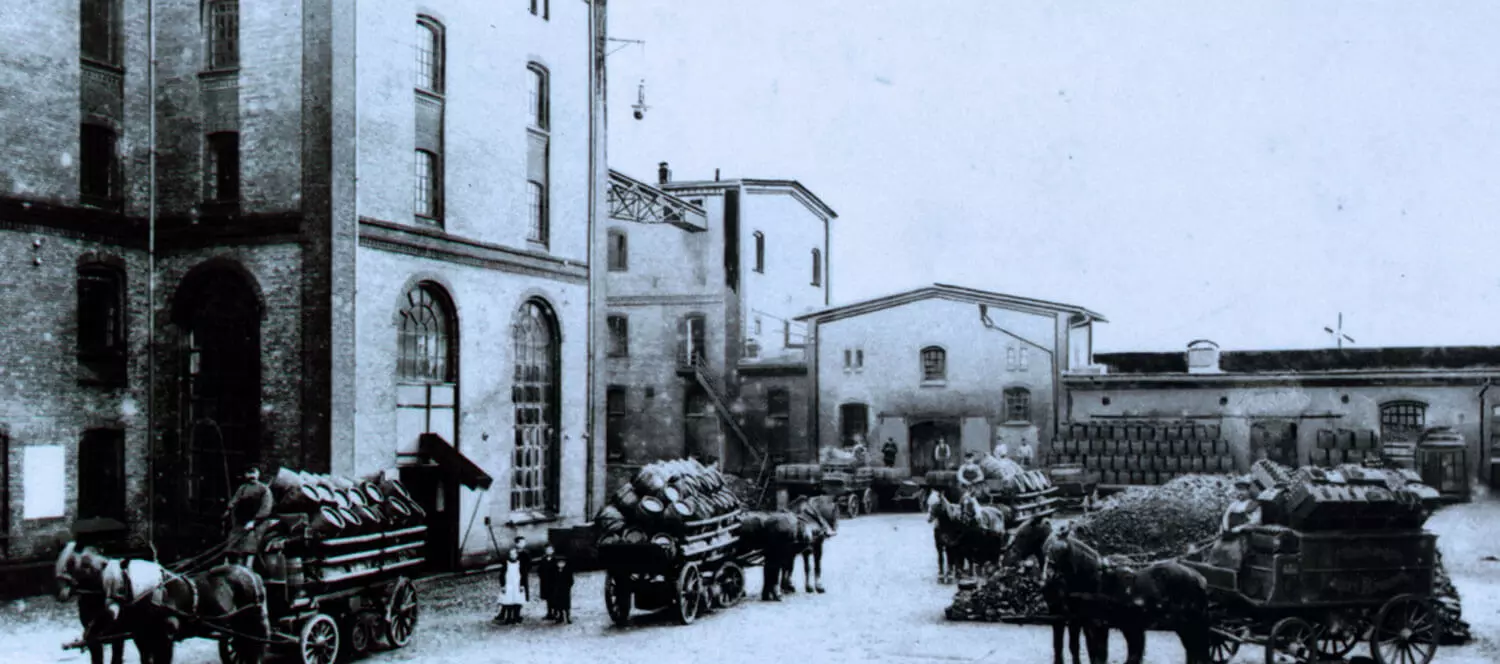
(249, 513)
(1241, 514)
(970, 475)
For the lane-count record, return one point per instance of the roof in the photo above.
(948, 292)
(754, 182)
(1311, 361)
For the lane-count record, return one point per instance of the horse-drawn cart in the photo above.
(705, 568)
(1025, 495)
(850, 486)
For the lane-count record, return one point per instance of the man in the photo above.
(889, 450)
(861, 456)
(249, 516)
(970, 475)
(1002, 449)
(942, 454)
(1027, 454)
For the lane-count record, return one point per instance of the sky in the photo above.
(1241, 172)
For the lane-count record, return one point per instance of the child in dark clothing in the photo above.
(545, 571)
(560, 589)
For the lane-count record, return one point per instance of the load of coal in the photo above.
(1011, 592)
(1161, 520)
(1449, 608)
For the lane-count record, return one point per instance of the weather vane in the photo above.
(640, 101)
(1338, 335)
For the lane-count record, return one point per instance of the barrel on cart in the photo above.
(850, 485)
(702, 569)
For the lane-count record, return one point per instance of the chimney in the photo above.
(716, 175)
(663, 174)
(1203, 357)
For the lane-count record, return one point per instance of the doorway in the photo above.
(700, 424)
(924, 437)
(1275, 440)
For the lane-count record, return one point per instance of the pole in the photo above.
(595, 436)
(151, 275)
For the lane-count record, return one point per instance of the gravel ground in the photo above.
(883, 605)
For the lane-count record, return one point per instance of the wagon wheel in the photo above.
(319, 641)
(689, 593)
(731, 585)
(1339, 635)
(617, 599)
(1224, 645)
(851, 505)
(870, 501)
(401, 613)
(359, 634)
(1405, 631)
(1291, 640)
(235, 650)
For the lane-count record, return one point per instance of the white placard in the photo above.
(44, 476)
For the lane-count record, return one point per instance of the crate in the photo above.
(1195, 464)
(1215, 432)
(1151, 477)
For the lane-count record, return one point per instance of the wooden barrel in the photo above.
(671, 494)
(302, 500)
(651, 480)
(327, 522)
(356, 497)
(683, 509)
(396, 513)
(341, 482)
(353, 525)
(372, 520)
(667, 543)
(634, 536)
(285, 482)
(799, 472)
(650, 506)
(373, 494)
(378, 516)
(417, 512)
(294, 575)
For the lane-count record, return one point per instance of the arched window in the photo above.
(429, 55)
(1017, 404)
(619, 254)
(760, 252)
(537, 457)
(934, 363)
(426, 367)
(817, 268)
(1402, 421)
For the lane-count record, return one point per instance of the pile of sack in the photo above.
(1011, 591)
(662, 500)
(336, 506)
(1159, 520)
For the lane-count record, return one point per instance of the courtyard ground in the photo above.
(883, 605)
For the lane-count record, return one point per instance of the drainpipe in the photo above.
(595, 275)
(151, 275)
(1484, 445)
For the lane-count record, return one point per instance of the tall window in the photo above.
(619, 256)
(430, 81)
(760, 251)
(542, 8)
(101, 474)
(537, 457)
(1402, 421)
(538, 155)
(854, 423)
(934, 363)
(619, 336)
(427, 366)
(691, 347)
(1018, 404)
(222, 175)
(614, 424)
(99, 31)
(1024, 354)
(817, 268)
(1010, 357)
(98, 167)
(223, 34)
(425, 175)
(101, 320)
(779, 422)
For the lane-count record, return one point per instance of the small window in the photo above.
(614, 426)
(859, 358)
(429, 56)
(101, 321)
(542, 8)
(1018, 404)
(934, 364)
(223, 35)
(536, 96)
(101, 475)
(536, 205)
(848, 359)
(619, 336)
(99, 31)
(1010, 358)
(817, 268)
(1402, 421)
(1024, 354)
(619, 256)
(428, 190)
(760, 252)
(223, 172)
(99, 166)
(757, 325)
(538, 157)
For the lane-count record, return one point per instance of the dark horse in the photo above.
(820, 516)
(1106, 593)
(81, 573)
(779, 536)
(947, 535)
(1029, 543)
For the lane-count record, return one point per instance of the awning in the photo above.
(437, 450)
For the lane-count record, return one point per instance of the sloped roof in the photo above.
(1311, 361)
(753, 182)
(947, 292)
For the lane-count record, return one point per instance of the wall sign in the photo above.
(44, 474)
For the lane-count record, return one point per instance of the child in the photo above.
(511, 595)
(524, 557)
(545, 571)
(560, 590)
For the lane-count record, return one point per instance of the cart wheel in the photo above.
(731, 585)
(401, 613)
(240, 651)
(851, 505)
(1223, 647)
(617, 599)
(319, 642)
(870, 501)
(689, 593)
(359, 634)
(1405, 631)
(1291, 640)
(1338, 636)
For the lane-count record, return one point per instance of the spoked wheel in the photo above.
(401, 613)
(1224, 645)
(240, 651)
(1291, 641)
(689, 594)
(1405, 631)
(319, 642)
(617, 599)
(359, 634)
(851, 505)
(869, 501)
(1338, 637)
(731, 585)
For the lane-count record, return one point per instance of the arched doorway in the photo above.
(217, 313)
(924, 436)
(537, 456)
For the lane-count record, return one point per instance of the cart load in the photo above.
(334, 506)
(1165, 519)
(998, 468)
(888, 477)
(662, 500)
(1344, 498)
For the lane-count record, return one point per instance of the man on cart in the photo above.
(1229, 551)
(971, 477)
(249, 516)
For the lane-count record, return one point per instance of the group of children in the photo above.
(555, 577)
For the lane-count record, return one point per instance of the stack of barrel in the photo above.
(334, 506)
(663, 500)
(1142, 453)
(1345, 498)
(1342, 446)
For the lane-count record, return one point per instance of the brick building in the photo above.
(705, 279)
(345, 243)
(967, 366)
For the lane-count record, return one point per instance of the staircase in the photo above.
(756, 451)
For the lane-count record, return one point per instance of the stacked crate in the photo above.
(1335, 447)
(1143, 453)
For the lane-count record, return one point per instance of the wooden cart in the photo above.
(851, 487)
(704, 568)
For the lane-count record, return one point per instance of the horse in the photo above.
(1107, 592)
(984, 536)
(81, 573)
(1028, 541)
(947, 533)
(779, 536)
(227, 598)
(820, 515)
